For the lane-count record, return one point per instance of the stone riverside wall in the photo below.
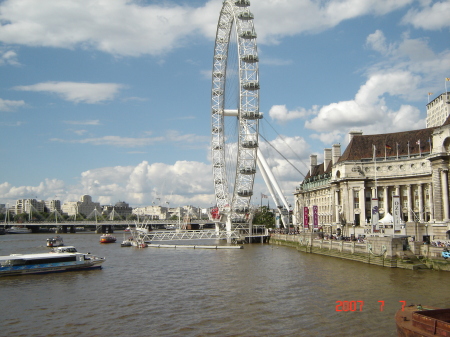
(381, 251)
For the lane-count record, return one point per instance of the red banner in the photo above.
(316, 216)
(305, 217)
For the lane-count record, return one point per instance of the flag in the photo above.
(430, 93)
(388, 147)
(418, 142)
(447, 78)
(263, 196)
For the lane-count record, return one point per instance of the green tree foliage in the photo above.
(264, 216)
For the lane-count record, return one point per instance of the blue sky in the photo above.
(112, 98)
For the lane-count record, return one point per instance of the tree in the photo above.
(264, 216)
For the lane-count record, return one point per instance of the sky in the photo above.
(112, 98)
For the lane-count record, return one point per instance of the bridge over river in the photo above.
(105, 226)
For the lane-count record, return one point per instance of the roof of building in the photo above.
(362, 146)
(319, 170)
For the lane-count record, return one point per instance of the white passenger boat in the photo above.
(61, 259)
(18, 230)
(55, 241)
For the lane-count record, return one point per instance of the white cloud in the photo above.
(8, 57)
(173, 136)
(408, 72)
(118, 27)
(45, 190)
(182, 183)
(377, 41)
(368, 107)
(86, 122)
(432, 17)
(77, 92)
(191, 140)
(282, 114)
(129, 28)
(114, 141)
(8, 105)
(300, 16)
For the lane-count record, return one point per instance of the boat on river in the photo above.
(127, 242)
(107, 238)
(418, 321)
(18, 230)
(55, 241)
(61, 259)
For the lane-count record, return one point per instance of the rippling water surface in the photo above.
(261, 290)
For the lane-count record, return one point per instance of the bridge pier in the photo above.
(65, 229)
(34, 229)
(102, 229)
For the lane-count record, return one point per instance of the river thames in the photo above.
(261, 290)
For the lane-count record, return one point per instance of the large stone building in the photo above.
(85, 206)
(413, 165)
(120, 210)
(152, 212)
(29, 206)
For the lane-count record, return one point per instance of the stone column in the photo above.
(362, 206)
(410, 209)
(386, 200)
(421, 208)
(336, 202)
(444, 181)
(351, 205)
(374, 193)
(430, 201)
(437, 194)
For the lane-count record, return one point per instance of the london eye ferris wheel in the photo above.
(235, 98)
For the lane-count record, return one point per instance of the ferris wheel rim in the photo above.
(235, 14)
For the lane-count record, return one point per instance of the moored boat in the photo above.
(18, 230)
(55, 241)
(418, 321)
(61, 259)
(127, 241)
(107, 238)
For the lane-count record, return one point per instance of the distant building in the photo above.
(154, 212)
(29, 206)
(52, 206)
(121, 210)
(438, 110)
(85, 206)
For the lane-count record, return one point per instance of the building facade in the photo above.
(85, 206)
(153, 212)
(120, 210)
(413, 165)
(29, 206)
(438, 110)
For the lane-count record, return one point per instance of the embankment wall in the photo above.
(381, 251)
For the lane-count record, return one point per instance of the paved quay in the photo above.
(393, 252)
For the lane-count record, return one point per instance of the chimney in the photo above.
(312, 163)
(336, 152)
(352, 134)
(326, 158)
